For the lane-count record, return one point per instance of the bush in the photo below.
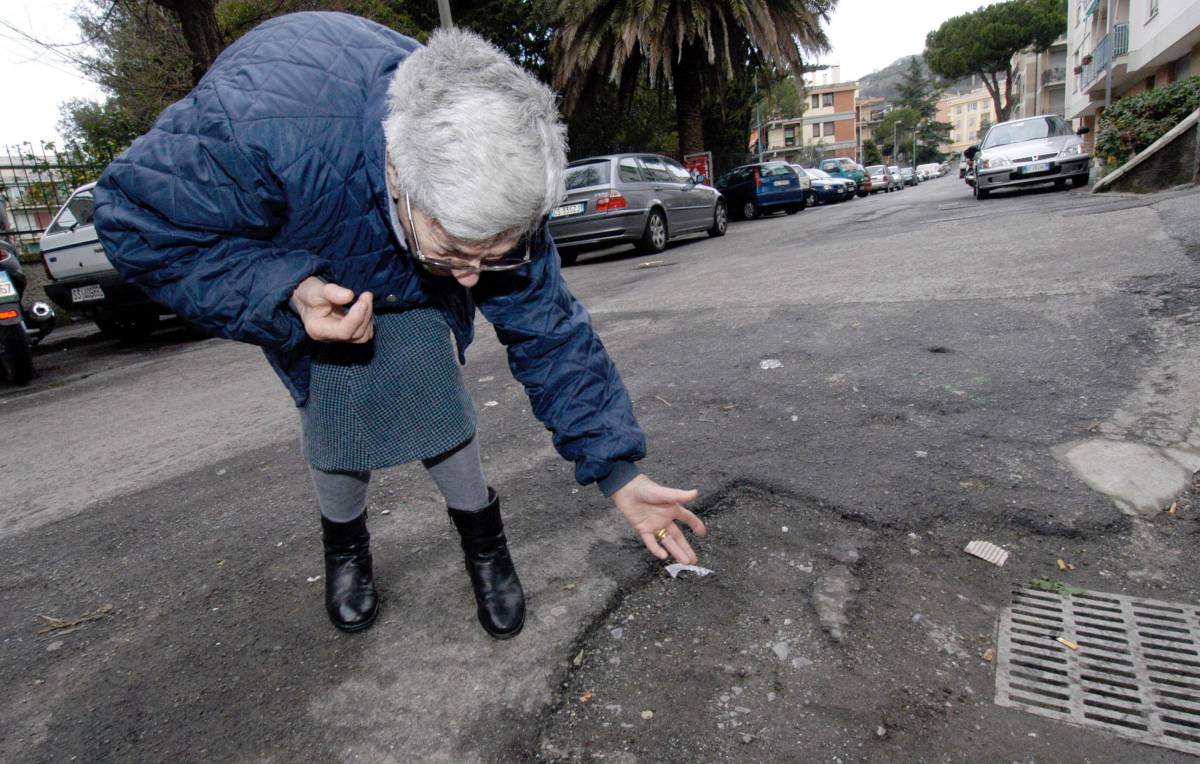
(1133, 123)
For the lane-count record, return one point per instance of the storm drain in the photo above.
(1134, 670)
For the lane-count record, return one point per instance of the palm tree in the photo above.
(686, 44)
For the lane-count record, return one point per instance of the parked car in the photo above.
(755, 189)
(909, 176)
(844, 167)
(1024, 152)
(646, 199)
(931, 170)
(881, 180)
(897, 178)
(827, 189)
(83, 280)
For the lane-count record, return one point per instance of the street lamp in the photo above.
(444, 14)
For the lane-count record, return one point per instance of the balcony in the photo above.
(1054, 76)
(1114, 44)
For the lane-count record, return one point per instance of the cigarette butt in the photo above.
(1068, 643)
(1174, 508)
(1062, 564)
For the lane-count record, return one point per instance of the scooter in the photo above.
(20, 328)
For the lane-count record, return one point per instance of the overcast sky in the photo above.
(866, 34)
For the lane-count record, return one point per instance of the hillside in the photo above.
(884, 82)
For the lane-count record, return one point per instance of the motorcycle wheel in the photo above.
(16, 354)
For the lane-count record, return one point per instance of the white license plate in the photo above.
(567, 210)
(89, 293)
(783, 183)
(6, 286)
(1039, 167)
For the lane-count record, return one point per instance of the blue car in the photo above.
(756, 189)
(827, 189)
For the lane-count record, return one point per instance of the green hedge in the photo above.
(1133, 123)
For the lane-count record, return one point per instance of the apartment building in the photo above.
(970, 113)
(1040, 81)
(826, 128)
(1117, 48)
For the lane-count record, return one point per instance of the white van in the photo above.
(82, 278)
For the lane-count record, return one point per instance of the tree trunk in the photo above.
(198, 20)
(689, 99)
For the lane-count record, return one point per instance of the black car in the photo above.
(755, 189)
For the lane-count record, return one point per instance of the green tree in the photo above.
(916, 90)
(871, 153)
(983, 43)
(690, 45)
(898, 126)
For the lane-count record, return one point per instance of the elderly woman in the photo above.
(345, 198)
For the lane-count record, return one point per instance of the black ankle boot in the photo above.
(499, 600)
(350, 596)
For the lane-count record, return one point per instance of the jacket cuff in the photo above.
(622, 473)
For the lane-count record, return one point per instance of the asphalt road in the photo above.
(857, 391)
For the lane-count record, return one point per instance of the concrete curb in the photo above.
(1129, 174)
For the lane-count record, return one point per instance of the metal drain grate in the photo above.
(1136, 672)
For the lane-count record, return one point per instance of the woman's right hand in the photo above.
(322, 309)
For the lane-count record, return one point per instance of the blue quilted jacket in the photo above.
(272, 170)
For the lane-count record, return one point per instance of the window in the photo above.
(776, 170)
(654, 170)
(789, 136)
(1153, 9)
(973, 106)
(80, 211)
(816, 129)
(627, 170)
(678, 174)
(827, 99)
(958, 109)
(816, 101)
(829, 128)
(591, 174)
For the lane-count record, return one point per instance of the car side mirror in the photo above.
(970, 152)
(1083, 131)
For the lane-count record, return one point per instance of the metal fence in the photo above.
(35, 181)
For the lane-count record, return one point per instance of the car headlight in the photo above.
(1072, 151)
(991, 163)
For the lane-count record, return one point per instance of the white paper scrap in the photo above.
(770, 363)
(676, 568)
(986, 550)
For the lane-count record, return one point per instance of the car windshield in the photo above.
(1034, 129)
(79, 211)
(817, 174)
(591, 174)
(875, 169)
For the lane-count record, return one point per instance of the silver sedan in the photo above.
(1028, 151)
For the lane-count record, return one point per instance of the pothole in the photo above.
(724, 666)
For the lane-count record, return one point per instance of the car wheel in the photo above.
(568, 257)
(1079, 181)
(980, 193)
(654, 238)
(750, 211)
(720, 219)
(128, 330)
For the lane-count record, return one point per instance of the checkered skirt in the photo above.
(394, 400)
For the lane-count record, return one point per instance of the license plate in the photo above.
(6, 286)
(1039, 167)
(567, 210)
(89, 293)
(783, 183)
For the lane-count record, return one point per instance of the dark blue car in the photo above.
(756, 189)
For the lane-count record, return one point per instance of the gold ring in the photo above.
(661, 533)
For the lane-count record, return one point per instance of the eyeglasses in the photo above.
(514, 258)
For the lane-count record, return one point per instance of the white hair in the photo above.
(475, 140)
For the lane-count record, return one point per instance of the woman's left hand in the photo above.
(650, 507)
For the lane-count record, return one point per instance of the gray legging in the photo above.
(458, 474)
